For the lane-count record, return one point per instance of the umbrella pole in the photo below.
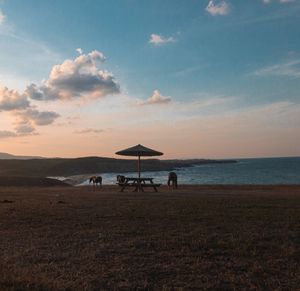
(139, 166)
(139, 170)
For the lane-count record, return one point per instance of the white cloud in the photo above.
(157, 39)
(79, 50)
(2, 17)
(12, 100)
(27, 117)
(155, 99)
(79, 78)
(218, 8)
(19, 105)
(287, 69)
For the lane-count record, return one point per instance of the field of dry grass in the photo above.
(198, 237)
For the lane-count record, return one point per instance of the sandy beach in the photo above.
(197, 237)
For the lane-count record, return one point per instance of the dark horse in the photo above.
(172, 180)
(121, 179)
(96, 180)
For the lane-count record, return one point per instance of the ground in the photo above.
(194, 238)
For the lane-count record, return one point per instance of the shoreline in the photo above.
(77, 180)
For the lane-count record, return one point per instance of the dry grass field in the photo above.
(194, 238)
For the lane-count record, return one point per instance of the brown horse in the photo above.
(96, 180)
(172, 179)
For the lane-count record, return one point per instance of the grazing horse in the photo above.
(96, 180)
(172, 180)
(121, 179)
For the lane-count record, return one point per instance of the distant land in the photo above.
(6, 156)
(44, 167)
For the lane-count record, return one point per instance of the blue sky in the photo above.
(236, 56)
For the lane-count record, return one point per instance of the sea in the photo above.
(262, 171)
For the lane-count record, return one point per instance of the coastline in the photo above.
(87, 165)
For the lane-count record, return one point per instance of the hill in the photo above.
(30, 182)
(87, 165)
(6, 156)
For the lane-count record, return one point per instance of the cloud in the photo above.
(218, 8)
(157, 39)
(205, 105)
(79, 50)
(287, 69)
(280, 1)
(88, 130)
(12, 100)
(79, 78)
(2, 17)
(24, 129)
(156, 98)
(19, 105)
(20, 131)
(27, 120)
(27, 116)
(35, 117)
(7, 134)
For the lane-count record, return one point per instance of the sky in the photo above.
(190, 78)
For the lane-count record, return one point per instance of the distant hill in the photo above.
(6, 156)
(30, 181)
(38, 167)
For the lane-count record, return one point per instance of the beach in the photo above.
(211, 237)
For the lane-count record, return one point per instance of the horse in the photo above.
(172, 179)
(96, 180)
(121, 179)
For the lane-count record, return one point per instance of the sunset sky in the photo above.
(190, 78)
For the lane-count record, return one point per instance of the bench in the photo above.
(133, 182)
(126, 184)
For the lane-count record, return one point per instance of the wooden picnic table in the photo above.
(138, 184)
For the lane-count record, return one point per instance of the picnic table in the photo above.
(138, 184)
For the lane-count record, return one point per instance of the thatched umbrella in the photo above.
(139, 151)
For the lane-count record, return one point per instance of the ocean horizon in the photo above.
(250, 171)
